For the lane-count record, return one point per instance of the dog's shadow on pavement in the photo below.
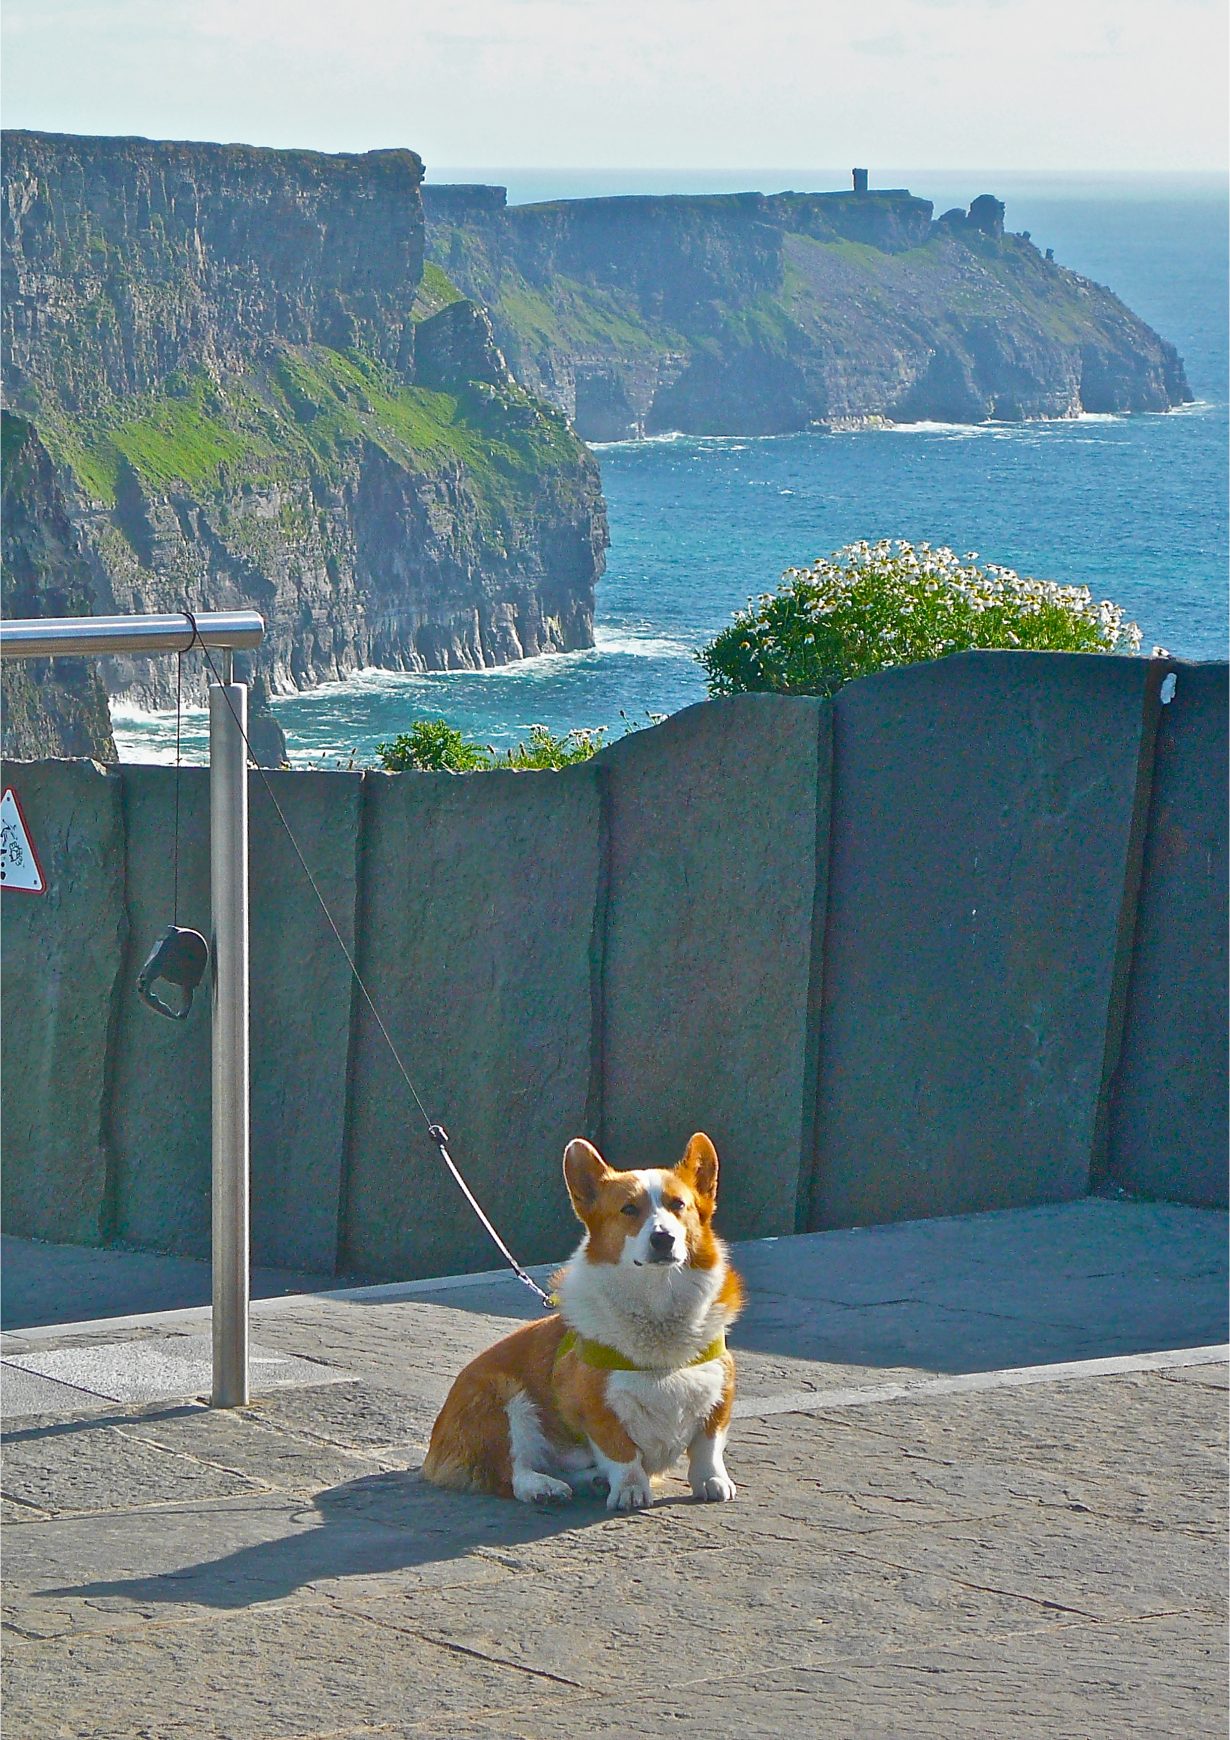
(375, 1526)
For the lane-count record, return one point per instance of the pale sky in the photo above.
(1050, 85)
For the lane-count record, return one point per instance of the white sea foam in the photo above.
(637, 643)
(1019, 428)
(668, 439)
(129, 713)
(640, 645)
(158, 747)
(954, 431)
(147, 734)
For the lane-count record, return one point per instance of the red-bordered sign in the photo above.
(20, 870)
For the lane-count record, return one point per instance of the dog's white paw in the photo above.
(631, 1491)
(717, 1489)
(534, 1488)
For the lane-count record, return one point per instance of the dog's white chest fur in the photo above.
(660, 1318)
(661, 1411)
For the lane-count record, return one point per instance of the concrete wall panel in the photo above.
(718, 828)
(300, 1019)
(1169, 1134)
(301, 1008)
(63, 952)
(984, 811)
(477, 919)
(161, 1073)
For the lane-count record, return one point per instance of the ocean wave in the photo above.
(373, 681)
(640, 645)
(130, 713)
(953, 431)
(132, 746)
(670, 438)
(996, 427)
(702, 443)
(1197, 408)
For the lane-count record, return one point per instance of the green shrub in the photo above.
(544, 750)
(435, 746)
(870, 606)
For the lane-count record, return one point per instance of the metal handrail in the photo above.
(90, 636)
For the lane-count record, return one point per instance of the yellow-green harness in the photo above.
(597, 1353)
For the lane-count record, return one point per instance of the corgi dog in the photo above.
(629, 1373)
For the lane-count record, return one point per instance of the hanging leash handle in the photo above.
(179, 957)
(439, 1136)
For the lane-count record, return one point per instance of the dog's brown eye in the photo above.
(629, 1208)
(674, 1204)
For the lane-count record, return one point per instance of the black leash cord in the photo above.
(436, 1131)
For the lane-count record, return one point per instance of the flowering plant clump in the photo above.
(869, 606)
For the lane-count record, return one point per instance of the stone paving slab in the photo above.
(135, 1371)
(874, 1552)
(916, 1550)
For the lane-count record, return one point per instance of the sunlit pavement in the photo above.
(982, 1492)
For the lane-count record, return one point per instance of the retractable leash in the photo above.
(437, 1132)
(439, 1136)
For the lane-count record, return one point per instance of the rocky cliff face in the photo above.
(254, 393)
(748, 314)
(50, 706)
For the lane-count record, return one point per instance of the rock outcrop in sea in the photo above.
(758, 314)
(249, 389)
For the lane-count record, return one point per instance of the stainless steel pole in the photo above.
(228, 860)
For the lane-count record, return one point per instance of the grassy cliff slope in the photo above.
(747, 314)
(255, 391)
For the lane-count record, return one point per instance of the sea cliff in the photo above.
(51, 706)
(252, 390)
(760, 314)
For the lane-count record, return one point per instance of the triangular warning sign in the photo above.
(19, 865)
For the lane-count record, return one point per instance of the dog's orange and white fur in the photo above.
(650, 1283)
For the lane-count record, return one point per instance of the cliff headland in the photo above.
(759, 314)
(250, 389)
(244, 376)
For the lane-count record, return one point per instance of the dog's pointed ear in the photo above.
(700, 1167)
(584, 1172)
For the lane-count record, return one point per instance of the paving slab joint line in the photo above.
(964, 1383)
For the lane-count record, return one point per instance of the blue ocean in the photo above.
(1135, 508)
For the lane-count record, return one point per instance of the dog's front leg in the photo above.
(619, 1459)
(706, 1464)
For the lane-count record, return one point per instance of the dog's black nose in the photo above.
(662, 1239)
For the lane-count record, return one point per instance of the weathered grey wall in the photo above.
(983, 814)
(61, 964)
(717, 828)
(160, 1119)
(1169, 1133)
(160, 1126)
(954, 941)
(477, 933)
